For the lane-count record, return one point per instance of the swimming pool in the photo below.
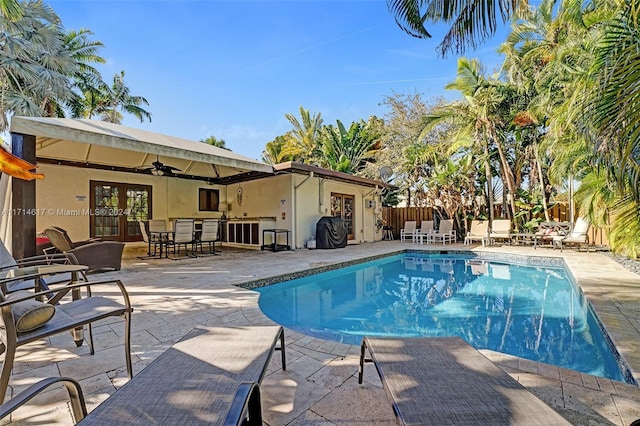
(533, 312)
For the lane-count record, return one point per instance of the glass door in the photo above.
(344, 206)
(116, 209)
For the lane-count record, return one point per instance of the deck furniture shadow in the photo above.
(444, 380)
(211, 376)
(67, 316)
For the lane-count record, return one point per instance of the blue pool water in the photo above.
(533, 312)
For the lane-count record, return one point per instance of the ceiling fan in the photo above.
(159, 169)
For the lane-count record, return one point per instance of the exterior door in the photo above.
(344, 206)
(116, 209)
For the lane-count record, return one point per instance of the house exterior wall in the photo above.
(63, 197)
(66, 191)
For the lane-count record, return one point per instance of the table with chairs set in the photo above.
(186, 239)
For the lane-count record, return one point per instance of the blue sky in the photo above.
(233, 69)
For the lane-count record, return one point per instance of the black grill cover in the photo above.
(331, 233)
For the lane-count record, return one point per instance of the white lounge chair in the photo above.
(500, 230)
(577, 236)
(426, 227)
(409, 230)
(445, 233)
(479, 232)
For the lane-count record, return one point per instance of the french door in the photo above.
(116, 209)
(344, 206)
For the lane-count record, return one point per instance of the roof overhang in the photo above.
(302, 168)
(102, 145)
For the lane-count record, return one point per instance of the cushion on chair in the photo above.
(29, 314)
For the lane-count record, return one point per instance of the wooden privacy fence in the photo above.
(397, 216)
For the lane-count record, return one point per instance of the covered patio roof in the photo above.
(102, 145)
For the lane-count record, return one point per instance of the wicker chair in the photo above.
(97, 255)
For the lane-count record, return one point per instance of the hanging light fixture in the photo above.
(157, 172)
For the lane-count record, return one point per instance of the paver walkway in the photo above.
(320, 385)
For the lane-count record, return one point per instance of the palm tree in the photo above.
(471, 21)
(213, 141)
(119, 98)
(35, 64)
(305, 134)
(10, 9)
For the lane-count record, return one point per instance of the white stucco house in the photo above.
(101, 178)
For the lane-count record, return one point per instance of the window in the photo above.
(208, 200)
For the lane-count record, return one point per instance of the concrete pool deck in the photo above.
(320, 384)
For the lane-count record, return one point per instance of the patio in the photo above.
(320, 385)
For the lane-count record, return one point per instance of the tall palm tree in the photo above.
(471, 21)
(305, 134)
(118, 98)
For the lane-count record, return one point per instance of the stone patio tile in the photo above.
(20, 381)
(571, 376)
(590, 381)
(335, 372)
(286, 395)
(355, 404)
(627, 408)
(309, 418)
(590, 402)
(86, 366)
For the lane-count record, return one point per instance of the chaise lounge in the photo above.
(445, 381)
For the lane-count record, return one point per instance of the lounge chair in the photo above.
(479, 232)
(24, 320)
(97, 255)
(445, 233)
(500, 230)
(408, 231)
(578, 235)
(211, 376)
(445, 381)
(426, 228)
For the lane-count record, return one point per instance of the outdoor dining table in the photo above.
(163, 237)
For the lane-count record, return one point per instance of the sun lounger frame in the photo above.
(211, 376)
(444, 380)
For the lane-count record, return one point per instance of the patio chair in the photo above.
(8, 262)
(153, 242)
(23, 319)
(500, 230)
(444, 380)
(479, 231)
(426, 228)
(76, 397)
(445, 233)
(97, 255)
(578, 235)
(183, 234)
(209, 235)
(408, 231)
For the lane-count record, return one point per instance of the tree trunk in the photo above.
(508, 175)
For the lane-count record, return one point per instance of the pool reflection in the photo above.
(531, 312)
